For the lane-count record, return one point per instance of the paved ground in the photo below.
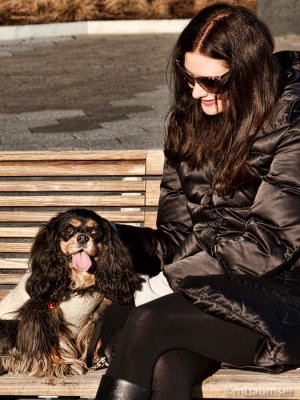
(87, 92)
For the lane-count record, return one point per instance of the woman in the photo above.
(228, 221)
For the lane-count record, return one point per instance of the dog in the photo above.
(77, 254)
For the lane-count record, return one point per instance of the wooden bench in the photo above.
(122, 186)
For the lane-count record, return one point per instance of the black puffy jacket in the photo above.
(238, 258)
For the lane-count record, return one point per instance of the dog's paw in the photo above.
(99, 363)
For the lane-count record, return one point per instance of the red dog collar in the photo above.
(52, 305)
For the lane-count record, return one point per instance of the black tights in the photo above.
(169, 344)
(177, 371)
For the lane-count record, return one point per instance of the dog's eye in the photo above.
(94, 233)
(70, 230)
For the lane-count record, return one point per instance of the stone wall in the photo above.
(282, 16)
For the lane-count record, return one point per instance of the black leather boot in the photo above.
(119, 389)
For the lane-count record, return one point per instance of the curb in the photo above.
(20, 32)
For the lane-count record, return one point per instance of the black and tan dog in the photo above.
(76, 252)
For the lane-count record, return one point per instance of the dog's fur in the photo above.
(39, 342)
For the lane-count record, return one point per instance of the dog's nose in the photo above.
(82, 239)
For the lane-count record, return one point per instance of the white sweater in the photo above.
(78, 307)
(75, 309)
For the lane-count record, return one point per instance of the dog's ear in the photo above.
(115, 276)
(49, 269)
(40, 336)
(38, 319)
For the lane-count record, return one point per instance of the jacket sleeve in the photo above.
(152, 248)
(271, 235)
(173, 219)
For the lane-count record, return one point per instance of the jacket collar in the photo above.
(289, 62)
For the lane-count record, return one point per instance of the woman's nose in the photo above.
(198, 91)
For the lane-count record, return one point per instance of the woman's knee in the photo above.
(145, 321)
(194, 367)
(167, 363)
(142, 319)
(165, 383)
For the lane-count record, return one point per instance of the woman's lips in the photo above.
(208, 102)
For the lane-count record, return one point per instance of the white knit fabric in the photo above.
(75, 309)
(152, 289)
(78, 307)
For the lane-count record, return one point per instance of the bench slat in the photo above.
(235, 384)
(82, 385)
(13, 263)
(225, 384)
(63, 155)
(72, 186)
(3, 293)
(18, 232)
(72, 201)
(10, 279)
(30, 232)
(77, 168)
(38, 216)
(15, 247)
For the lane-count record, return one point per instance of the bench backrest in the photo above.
(122, 186)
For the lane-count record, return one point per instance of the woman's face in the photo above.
(202, 66)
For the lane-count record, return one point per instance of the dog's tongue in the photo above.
(81, 261)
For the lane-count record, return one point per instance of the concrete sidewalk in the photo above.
(87, 92)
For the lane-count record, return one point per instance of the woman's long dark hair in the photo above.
(236, 36)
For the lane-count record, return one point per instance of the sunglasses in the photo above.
(211, 84)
